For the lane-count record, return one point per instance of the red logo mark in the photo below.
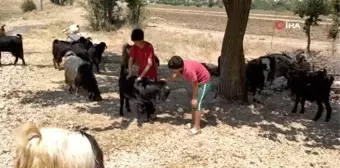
(279, 25)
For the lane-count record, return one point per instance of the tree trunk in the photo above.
(233, 78)
(333, 47)
(110, 11)
(308, 37)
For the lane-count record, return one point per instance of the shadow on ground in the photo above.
(270, 119)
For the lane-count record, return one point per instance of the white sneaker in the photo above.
(188, 126)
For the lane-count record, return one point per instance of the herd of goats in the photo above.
(56, 147)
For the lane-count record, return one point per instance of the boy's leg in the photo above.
(197, 114)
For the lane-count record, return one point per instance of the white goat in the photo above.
(73, 29)
(56, 148)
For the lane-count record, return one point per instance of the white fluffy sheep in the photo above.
(55, 148)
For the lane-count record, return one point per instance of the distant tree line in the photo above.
(279, 5)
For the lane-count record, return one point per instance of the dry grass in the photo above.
(234, 135)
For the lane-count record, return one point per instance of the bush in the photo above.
(28, 6)
(104, 15)
(62, 2)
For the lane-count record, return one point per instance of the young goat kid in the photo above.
(312, 86)
(55, 148)
(96, 53)
(143, 92)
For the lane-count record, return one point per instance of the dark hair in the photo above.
(176, 62)
(137, 35)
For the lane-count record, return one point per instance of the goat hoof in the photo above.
(302, 112)
(121, 114)
(294, 111)
(327, 119)
(153, 117)
(128, 110)
(315, 119)
(139, 124)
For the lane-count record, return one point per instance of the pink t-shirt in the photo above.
(195, 71)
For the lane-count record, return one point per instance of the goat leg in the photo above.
(139, 114)
(97, 65)
(127, 104)
(121, 97)
(302, 102)
(320, 109)
(23, 61)
(297, 101)
(70, 89)
(16, 60)
(54, 63)
(0, 58)
(329, 110)
(77, 89)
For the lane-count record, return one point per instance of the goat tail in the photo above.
(23, 132)
(19, 35)
(25, 149)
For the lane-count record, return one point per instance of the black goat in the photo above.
(59, 49)
(144, 92)
(258, 72)
(96, 53)
(311, 86)
(14, 45)
(255, 76)
(79, 73)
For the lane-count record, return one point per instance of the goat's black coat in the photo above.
(144, 91)
(86, 41)
(79, 73)
(96, 52)
(311, 86)
(255, 76)
(97, 151)
(80, 50)
(59, 49)
(14, 45)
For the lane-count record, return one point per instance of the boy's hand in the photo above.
(139, 78)
(194, 103)
(163, 79)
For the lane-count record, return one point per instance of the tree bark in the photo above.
(110, 11)
(308, 38)
(233, 78)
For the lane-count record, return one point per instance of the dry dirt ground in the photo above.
(234, 135)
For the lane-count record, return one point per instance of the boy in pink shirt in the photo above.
(199, 76)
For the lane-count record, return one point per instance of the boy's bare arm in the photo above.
(172, 77)
(194, 90)
(147, 68)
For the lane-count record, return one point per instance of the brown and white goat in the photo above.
(55, 148)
